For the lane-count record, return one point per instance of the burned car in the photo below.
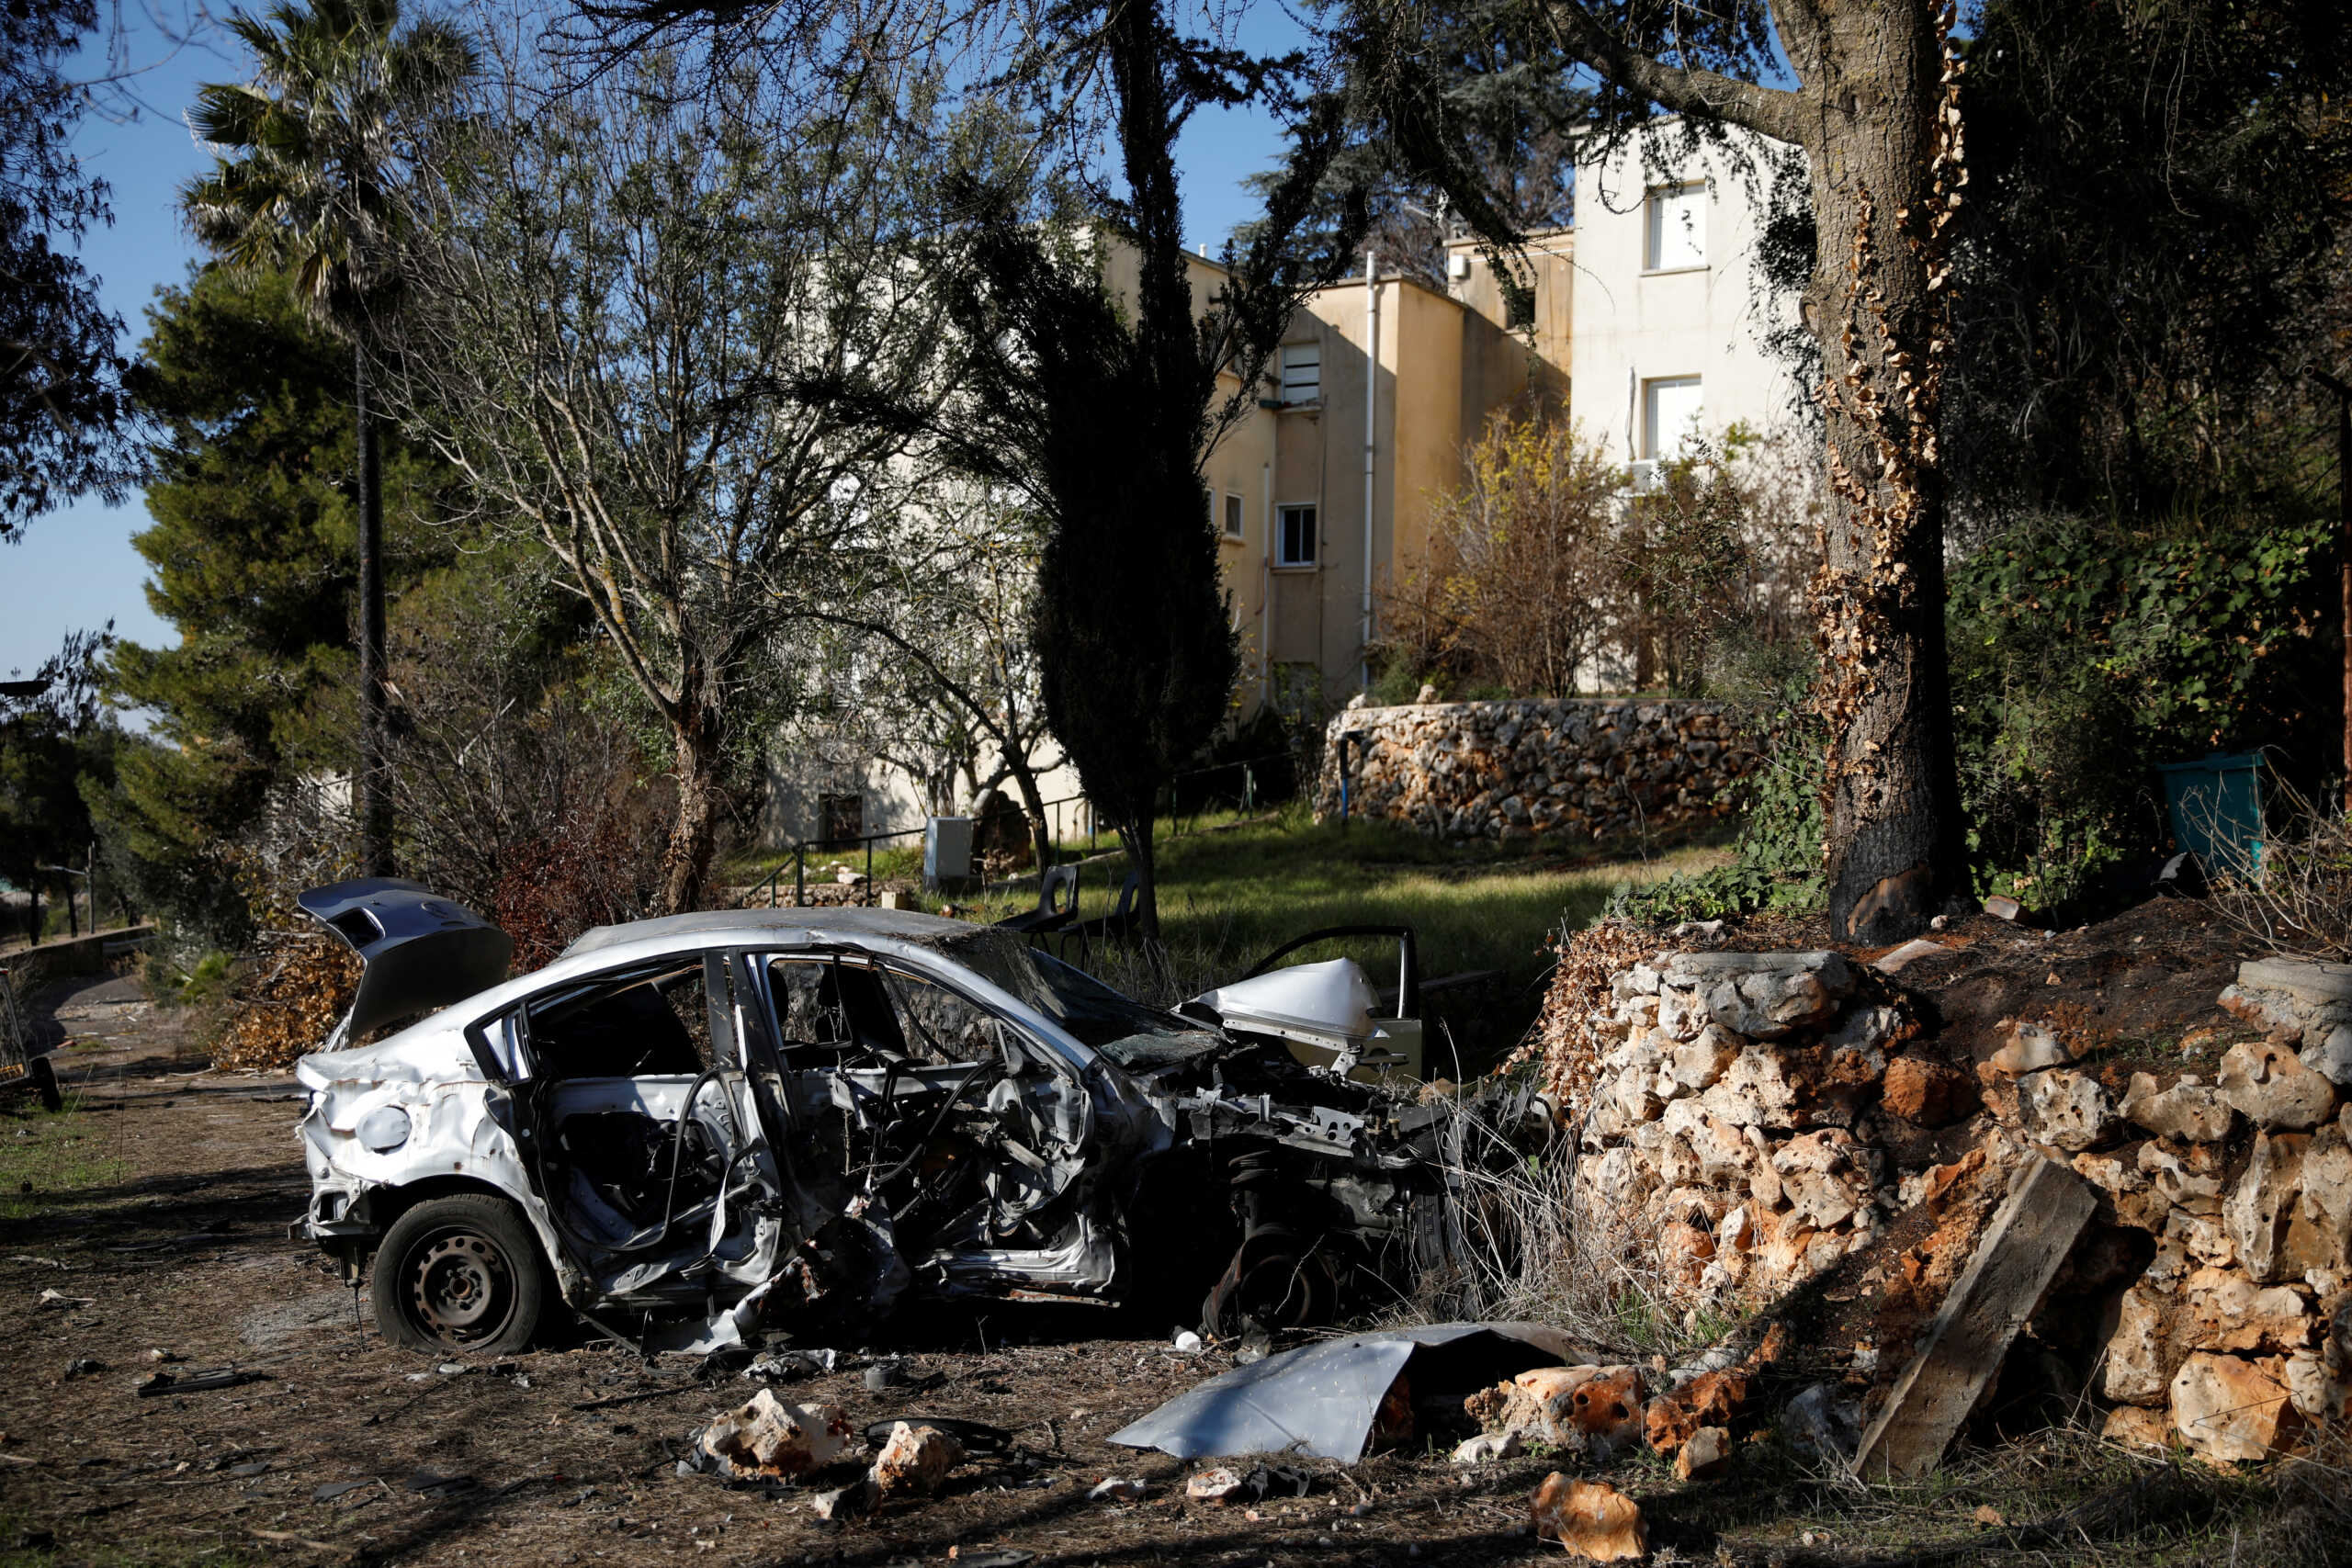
(696, 1129)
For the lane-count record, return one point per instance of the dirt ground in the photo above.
(145, 1230)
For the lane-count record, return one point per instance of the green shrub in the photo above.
(2085, 654)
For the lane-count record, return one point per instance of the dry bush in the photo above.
(2300, 901)
(1525, 1244)
(1563, 1043)
(596, 869)
(1519, 582)
(286, 994)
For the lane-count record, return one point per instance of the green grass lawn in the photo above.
(1233, 890)
(42, 1155)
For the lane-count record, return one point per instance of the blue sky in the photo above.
(76, 567)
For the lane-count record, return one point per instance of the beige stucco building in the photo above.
(1648, 320)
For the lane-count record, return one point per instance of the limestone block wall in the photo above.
(1517, 770)
(1756, 1118)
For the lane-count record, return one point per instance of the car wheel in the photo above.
(459, 1273)
(44, 1079)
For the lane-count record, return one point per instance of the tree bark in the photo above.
(374, 802)
(1885, 146)
(1032, 805)
(1137, 839)
(685, 873)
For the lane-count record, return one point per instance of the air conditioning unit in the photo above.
(1457, 265)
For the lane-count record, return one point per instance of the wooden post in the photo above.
(2048, 1206)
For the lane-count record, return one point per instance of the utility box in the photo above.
(2215, 808)
(948, 853)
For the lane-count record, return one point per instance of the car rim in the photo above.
(462, 1288)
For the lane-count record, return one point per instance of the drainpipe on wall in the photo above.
(1266, 579)
(1370, 432)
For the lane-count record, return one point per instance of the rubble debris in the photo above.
(1325, 1399)
(1219, 1486)
(84, 1366)
(2188, 1111)
(768, 1439)
(2001, 906)
(915, 1460)
(1188, 1343)
(1118, 1489)
(1591, 1518)
(1821, 1427)
(1928, 1094)
(846, 1502)
(1488, 1448)
(2020, 1252)
(1708, 1452)
(791, 1364)
(897, 1375)
(1898, 959)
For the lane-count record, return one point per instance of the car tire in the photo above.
(459, 1275)
(44, 1077)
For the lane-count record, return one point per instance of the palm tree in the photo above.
(307, 153)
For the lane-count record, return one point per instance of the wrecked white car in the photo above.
(698, 1128)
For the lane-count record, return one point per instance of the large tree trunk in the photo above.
(1885, 148)
(374, 802)
(1137, 839)
(699, 750)
(1032, 805)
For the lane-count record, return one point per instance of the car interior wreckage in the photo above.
(696, 1129)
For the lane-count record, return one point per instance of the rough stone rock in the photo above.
(2320, 1235)
(2268, 1084)
(1763, 996)
(2318, 1393)
(914, 1460)
(2134, 1371)
(2260, 1210)
(1898, 959)
(1488, 1448)
(1221, 1485)
(1697, 1064)
(1820, 1426)
(2331, 1056)
(2227, 1409)
(2137, 1428)
(2188, 1111)
(2031, 1048)
(1865, 1030)
(2185, 1179)
(846, 1502)
(1707, 1453)
(1928, 1094)
(1607, 1410)
(2223, 1310)
(2202, 1237)
(1754, 1091)
(2066, 1109)
(770, 1440)
(1591, 1518)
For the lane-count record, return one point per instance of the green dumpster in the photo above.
(2214, 805)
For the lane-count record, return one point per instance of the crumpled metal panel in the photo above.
(1322, 1399)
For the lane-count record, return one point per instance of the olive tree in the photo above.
(651, 327)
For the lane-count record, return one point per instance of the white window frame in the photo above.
(1283, 560)
(1301, 374)
(1656, 254)
(1236, 523)
(1653, 451)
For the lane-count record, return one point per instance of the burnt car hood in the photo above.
(420, 951)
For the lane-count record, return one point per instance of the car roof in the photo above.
(756, 925)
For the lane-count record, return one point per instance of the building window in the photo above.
(1518, 308)
(1233, 518)
(1302, 373)
(843, 817)
(1677, 226)
(1670, 409)
(1294, 536)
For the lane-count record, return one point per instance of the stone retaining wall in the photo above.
(1757, 1117)
(30, 968)
(1517, 770)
